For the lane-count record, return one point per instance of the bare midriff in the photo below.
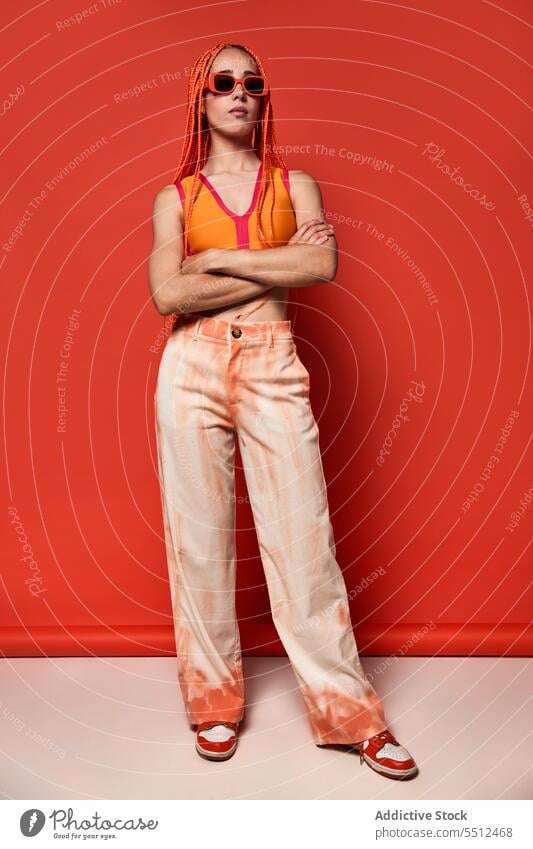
(274, 308)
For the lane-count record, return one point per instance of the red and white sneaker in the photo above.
(216, 741)
(384, 754)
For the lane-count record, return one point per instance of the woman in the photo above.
(223, 375)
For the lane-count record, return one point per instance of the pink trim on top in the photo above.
(181, 193)
(286, 180)
(240, 221)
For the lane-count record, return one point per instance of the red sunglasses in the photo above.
(253, 84)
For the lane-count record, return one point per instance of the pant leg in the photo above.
(196, 447)
(279, 443)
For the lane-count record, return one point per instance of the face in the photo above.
(218, 106)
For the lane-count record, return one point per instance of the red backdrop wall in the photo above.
(416, 123)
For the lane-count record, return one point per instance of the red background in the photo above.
(353, 81)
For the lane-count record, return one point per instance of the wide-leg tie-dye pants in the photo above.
(218, 379)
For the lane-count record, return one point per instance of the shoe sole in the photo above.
(216, 756)
(388, 771)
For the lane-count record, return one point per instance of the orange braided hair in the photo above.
(197, 139)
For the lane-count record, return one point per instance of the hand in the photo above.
(200, 263)
(312, 232)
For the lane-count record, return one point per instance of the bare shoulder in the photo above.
(167, 204)
(306, 197)
(302, 178)
(304, 185)
(166, 196)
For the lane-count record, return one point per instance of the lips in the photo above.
(238, 111)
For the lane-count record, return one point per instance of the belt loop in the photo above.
(270, 335)
(197, 330)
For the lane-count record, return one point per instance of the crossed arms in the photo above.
(218, 276)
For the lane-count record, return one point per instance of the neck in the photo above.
(231, 155)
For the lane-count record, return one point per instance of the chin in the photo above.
(236, 130)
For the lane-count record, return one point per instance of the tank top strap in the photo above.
(286, 180)
(181, 192)
(184, 188)
(184, 192)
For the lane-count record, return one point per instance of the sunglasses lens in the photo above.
(223, 83)
(254, 85)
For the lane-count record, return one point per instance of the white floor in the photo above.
(99, 728)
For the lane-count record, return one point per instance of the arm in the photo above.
(174, 290)
(294, 264)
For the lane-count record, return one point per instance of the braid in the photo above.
(197, 139)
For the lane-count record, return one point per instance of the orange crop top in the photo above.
(214, 225)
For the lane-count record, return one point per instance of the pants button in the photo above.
(236, 332)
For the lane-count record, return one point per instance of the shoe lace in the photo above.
(382, 735)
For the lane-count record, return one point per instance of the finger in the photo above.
(321, 228)
(321, 225)
(313, 234)
(305, 226)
